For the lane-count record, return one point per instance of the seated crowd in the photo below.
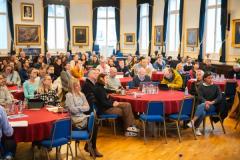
(57, 82)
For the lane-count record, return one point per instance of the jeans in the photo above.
(201, 112)
(8, 146)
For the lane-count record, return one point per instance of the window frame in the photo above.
(107, 19)
(174, 13)
(216, 6)
(4, 51)
(142, 17)
(55, 17)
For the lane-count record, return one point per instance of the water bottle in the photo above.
(20, 107)
(143, 88)
(157, 89)
(186, 91)
(234, 76)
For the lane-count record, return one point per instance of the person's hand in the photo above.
(115, 104)
(207, 104)
(9, 83)
(211, 102)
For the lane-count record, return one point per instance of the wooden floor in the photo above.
(213, 146)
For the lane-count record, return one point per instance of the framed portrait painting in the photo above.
(27, 11)
(129, 38)
(192, 37)
(80, 35)
(28, 34)
(158, 35)
(236, 33)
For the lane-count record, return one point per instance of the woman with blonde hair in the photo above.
(76, 103)
(79, 108)
(46, 92)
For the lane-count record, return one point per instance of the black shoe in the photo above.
(86, 148)
(97, 154)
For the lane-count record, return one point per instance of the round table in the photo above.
(172, 100)
(39, 125)
(221, 84)
(16, 92)
(157, 76)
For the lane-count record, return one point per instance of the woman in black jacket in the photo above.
(105, 105)
(209, 95)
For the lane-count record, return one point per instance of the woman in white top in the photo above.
(79, 108)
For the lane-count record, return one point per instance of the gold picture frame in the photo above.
(28, 34)
(80, 35)
(192, 37)
(236, 33)
(129, 38)
(27, 11)
(158, 35)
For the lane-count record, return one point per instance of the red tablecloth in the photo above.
(171, 99)
(17, 93)
(123, 81)
(157, 76)
(221, 84)
(39, 125)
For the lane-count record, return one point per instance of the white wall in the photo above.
(234, 9)
(81, 15)
(157, 20)
(191, 20)
(38, 18)
(128, 24)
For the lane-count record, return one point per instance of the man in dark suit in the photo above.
(122, 68)
(48, 59)
(88, 89)
(65, 77)
(23, 71)
(141, 77)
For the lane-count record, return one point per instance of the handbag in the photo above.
(80, 121)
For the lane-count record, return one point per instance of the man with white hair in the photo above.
(22, 59)
(88, 89)
(143, 63)
(141, 77)
(194, 86)
(113, 83)
(48, 59)
(103, 67)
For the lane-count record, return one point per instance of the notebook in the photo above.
(19, 123)
(35, 104)
(163, 87)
